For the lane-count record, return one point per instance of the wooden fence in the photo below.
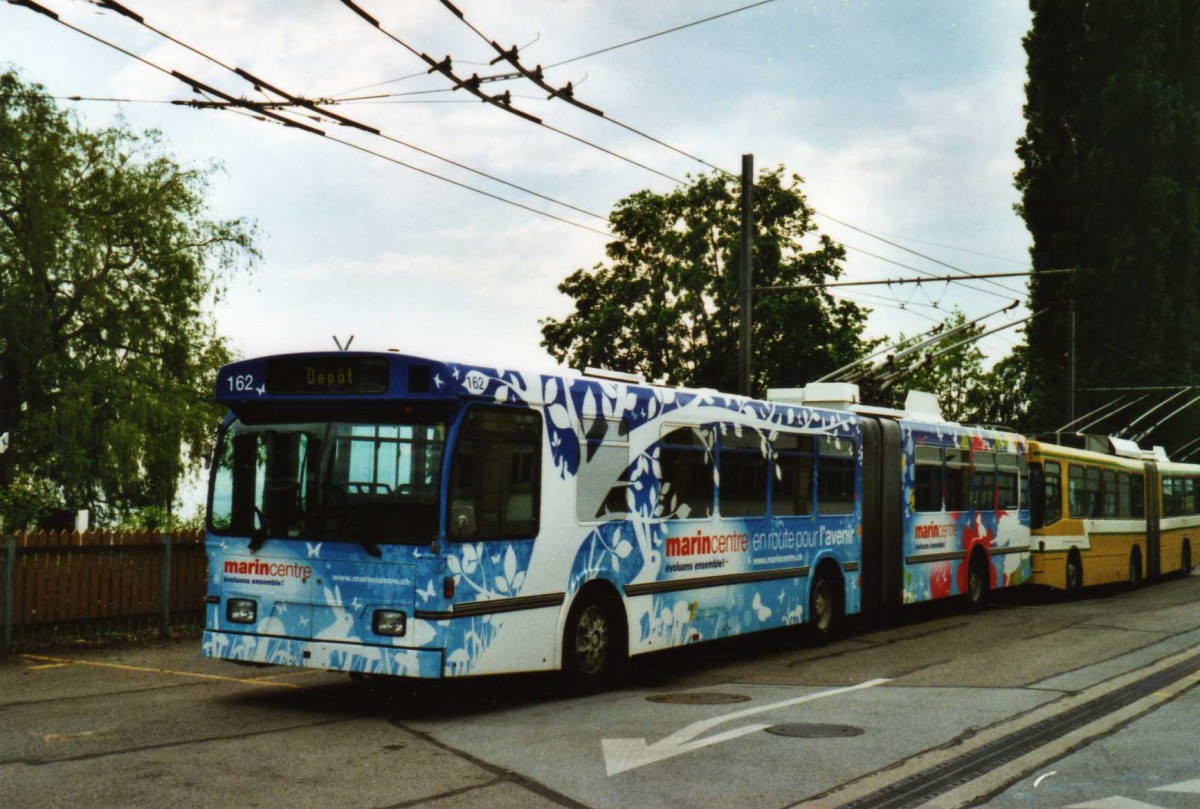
(60, 582)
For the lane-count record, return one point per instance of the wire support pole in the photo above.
(745, 275)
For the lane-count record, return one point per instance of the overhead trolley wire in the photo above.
(908, 249)
(502, 101)
(259, 108)
(661, 33)
(261, 85)
(511, 56)
(567, 92)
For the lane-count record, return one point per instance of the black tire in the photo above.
(594, 647)
(978, 582)
(1074, 576)
(1185, 559)
(825, 607)
(1135, 568)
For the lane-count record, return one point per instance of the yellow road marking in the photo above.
(64, 661)
(47, 666)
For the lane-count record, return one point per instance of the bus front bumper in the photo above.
(358, 658)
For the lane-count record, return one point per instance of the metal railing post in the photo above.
(164, 627)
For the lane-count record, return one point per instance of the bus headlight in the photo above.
(389, 622)
(241, 610)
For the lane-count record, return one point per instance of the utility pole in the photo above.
(745, 280)
(1071, 380)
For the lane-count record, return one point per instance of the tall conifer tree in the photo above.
(1111, 189)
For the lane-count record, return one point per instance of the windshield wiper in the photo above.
(259, 535)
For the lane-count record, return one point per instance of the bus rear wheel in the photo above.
(1074, 576)
(1135, 568)
(593, 644)
(1185, 559)
(977, 582)
(825, 607)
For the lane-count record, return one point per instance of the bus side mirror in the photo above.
(462, 521)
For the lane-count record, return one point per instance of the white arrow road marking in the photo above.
(1115, 802)
(1189, 787)
(627, 754)
(1042, 778)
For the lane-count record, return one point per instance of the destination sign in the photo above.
(307, 375)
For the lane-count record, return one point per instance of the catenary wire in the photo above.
(444, 68)
(511, 57)
(130, 14)
(256, 107)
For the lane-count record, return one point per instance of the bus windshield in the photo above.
(370, 483)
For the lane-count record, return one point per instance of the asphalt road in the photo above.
(1034, 702)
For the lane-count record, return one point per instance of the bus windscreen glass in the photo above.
(327, 480)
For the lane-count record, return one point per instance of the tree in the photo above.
(1110, 184)
(108, 261)
(666, 303)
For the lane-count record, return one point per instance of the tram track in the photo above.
(970, 770)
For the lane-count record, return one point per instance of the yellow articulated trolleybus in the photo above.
(1111, 513)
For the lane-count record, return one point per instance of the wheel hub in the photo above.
(591, 640)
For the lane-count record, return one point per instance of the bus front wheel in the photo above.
(593, 644)
(1185, 559)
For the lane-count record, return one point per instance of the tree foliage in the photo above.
(108, 261)
(666, 303)
(1110, 180)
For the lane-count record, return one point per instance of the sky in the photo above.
(902, 117)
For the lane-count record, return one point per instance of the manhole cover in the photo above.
(700, 698)
(802, 731)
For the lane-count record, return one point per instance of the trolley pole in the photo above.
(745, 272)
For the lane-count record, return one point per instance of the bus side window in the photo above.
(602, 481)
(835, 476)
(1124, 499)
(1052, 492)
(743, 473)
(1008, 481)
(495, 483)
(792, 479)
(983, 480)
(1076, 493)
(927, 478)
(1138, 492)
(958, 477)
(685, 457)
(1109, 492)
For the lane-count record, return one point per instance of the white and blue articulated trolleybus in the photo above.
(383, 514)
